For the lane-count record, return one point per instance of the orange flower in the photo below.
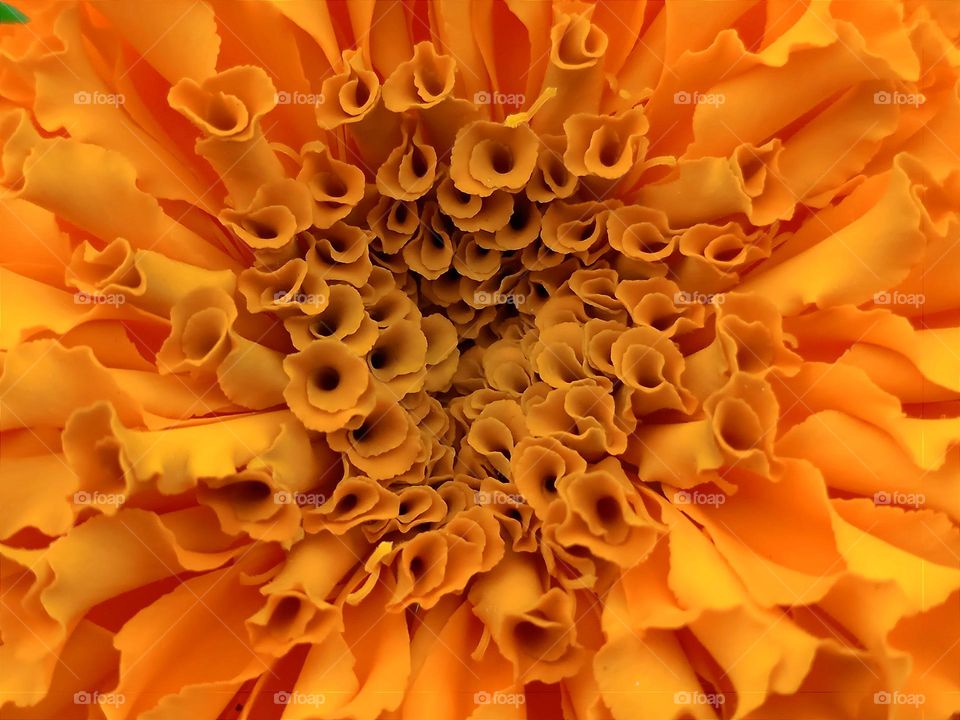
(549, 360)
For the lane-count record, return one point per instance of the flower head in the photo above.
(561, 359)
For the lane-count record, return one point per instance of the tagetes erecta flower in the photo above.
(553, 360)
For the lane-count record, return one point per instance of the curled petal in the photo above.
(488, 157)
(329, 386)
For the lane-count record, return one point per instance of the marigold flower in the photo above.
(546, 360)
